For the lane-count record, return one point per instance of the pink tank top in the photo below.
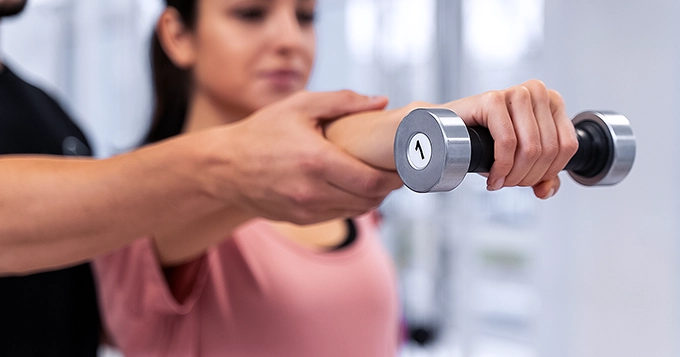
(258, 294)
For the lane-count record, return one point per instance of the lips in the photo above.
(283, 79)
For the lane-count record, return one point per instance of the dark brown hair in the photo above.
(171, 84)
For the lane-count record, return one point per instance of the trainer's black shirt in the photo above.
(53, 313)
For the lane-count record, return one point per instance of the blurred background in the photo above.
(591, 272)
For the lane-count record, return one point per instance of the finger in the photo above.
(346, 202)
(490, 110)
(356, 177)
(327, 202)
(352, 203)
(547, 189)
(336, 200)
(566, 135)
(549, 141)
(528, 150)
(331, 105)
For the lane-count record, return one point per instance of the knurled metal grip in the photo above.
(434, 150)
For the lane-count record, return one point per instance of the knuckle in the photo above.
(550, 151)
(310, 163)
(303, 197)
(537, 85)
(522, 94)
(506, 142)
(556, 97)
(571, 146)
(495, 98)
(531, 151)
(346, 95)
(539, 91)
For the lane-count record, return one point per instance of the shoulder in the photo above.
(34, 122)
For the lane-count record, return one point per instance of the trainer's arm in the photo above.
(56, 211)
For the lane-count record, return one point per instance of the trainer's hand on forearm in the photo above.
(280, 166)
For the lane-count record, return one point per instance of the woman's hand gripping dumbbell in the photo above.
(534, 141)
(434, 149)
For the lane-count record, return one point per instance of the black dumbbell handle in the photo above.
(592, 157)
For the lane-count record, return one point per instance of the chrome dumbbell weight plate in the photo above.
(620, 148)
(432, 150)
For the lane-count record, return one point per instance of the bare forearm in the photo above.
(369, 136)
(56, 212)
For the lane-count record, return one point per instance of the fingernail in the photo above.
(377, 98)
(550, 193)
(498, 184)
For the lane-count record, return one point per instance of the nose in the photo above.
(287, 33)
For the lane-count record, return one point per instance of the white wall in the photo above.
(614, 251)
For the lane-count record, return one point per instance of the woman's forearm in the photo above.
(369, 136)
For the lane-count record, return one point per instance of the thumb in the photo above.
(547, 189)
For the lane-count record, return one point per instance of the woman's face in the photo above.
(250, 53)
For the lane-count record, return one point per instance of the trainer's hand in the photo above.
(280, 166)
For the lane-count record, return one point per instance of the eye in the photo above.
(306, 17)
(250, 14)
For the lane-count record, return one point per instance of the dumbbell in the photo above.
(434, 149)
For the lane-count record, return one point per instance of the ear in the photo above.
(176, 39)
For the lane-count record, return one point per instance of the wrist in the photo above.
(211, 165)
